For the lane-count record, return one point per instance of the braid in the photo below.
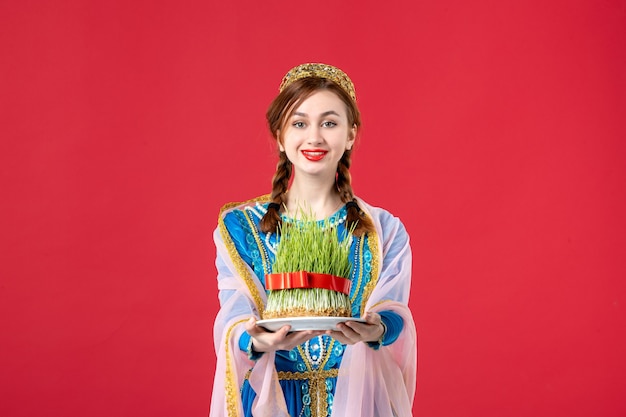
(280, 184)
(344, 179)
(355, 217)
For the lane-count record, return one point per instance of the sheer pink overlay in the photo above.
(383, 388)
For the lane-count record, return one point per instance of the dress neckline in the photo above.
(339, 216)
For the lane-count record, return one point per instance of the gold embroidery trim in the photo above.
(317, 386)
(257, 240)
(372, 240)
(232, 393)
(317, 390)
(361, 269)
(298, 376)
(381, 302)
(301, 376)
(240, 265)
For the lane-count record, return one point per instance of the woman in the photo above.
(360, 368)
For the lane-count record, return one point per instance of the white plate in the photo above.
(306, 323)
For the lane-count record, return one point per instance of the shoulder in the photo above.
(380, 215)
(242, 205)
(387, 224)
(233, 217)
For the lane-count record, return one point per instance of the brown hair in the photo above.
(278, 114)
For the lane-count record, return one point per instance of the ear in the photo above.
(351, 138)
(279, 141)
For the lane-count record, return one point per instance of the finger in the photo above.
(339, 336)
(250, 323)
(371, 317)
(283, 331)
(360, 328)
(297, 338)
(348, 329)
(303, 336)
(252, 328)
(347, 334)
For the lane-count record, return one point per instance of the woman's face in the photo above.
(317, 135)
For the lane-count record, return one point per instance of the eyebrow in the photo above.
(326, 113)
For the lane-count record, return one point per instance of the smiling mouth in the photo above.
(314, 155)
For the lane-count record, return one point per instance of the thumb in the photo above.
(371, 317)
(251, 326)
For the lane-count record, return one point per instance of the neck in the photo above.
(321, 198)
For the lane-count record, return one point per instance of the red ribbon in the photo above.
(304, 279)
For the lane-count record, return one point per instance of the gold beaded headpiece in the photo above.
(319, 71)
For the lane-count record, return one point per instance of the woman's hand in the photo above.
(352, 332)
(266, 341)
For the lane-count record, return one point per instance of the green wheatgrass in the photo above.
(308, 245)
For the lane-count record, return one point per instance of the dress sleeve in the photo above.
(237, 229)
(393, 324)
(245, 345)
(242, 295)
(234, 223)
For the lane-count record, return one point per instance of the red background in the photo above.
(494, 129)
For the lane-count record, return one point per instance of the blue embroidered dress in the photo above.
(308, 373)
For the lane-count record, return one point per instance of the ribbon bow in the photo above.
(304, 279)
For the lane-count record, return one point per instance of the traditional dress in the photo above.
(321, 377)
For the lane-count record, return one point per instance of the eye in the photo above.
(298, 125)
(329, 124)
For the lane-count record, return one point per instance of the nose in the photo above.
(315, 135)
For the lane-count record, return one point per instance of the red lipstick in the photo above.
(314, 154)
